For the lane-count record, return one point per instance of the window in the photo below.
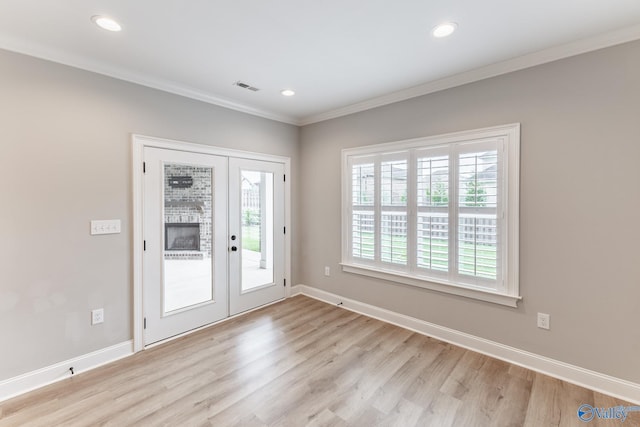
(438, 212)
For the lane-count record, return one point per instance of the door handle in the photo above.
(234, 248)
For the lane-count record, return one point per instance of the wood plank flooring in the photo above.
(302, 362)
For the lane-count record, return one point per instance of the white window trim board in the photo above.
(434, 284)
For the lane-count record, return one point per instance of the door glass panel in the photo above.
(188, 236)
(257, 229)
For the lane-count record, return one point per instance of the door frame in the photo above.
(138, 143)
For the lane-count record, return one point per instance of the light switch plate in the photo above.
(105, 226)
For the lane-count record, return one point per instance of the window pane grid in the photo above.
(393, 178)
(478, 246)
(362, 235)
(432, 199)
(433, 241)
(477, 221)
(362, 185)
(478, 179)
(393, 237)
(433, 181)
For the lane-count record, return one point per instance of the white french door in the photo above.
(213, 230)
(256, 228)
(185, 254)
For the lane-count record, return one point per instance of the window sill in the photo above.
(434, 285)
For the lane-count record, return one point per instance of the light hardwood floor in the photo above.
(303, 362)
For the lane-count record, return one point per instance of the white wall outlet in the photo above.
(97, 316)
(105, 226)
(544, 321)
(327, 271)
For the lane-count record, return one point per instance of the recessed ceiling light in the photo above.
(106, 23)
(444, 30)
(287, 92)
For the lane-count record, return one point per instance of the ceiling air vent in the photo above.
(246, 86)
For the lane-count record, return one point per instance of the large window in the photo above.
(438, 212)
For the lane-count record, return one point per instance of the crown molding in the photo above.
(164, 85)
(601, 41)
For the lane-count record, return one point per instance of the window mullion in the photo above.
(347, 201)
(412, 212)
(501, 229)
(453, 213)
(377, 211)
(351, 210)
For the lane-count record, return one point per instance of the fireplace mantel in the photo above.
(178, 203)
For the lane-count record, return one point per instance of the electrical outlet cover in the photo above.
(543, 321)
(97, 316)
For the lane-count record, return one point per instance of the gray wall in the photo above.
(66, 159)
(65, 139)
(580, 204)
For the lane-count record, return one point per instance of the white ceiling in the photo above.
(340, 56)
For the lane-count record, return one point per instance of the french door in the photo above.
(256, 218)
(213, 239)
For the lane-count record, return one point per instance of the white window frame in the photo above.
(507, 290)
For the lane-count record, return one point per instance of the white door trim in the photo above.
(138, 144)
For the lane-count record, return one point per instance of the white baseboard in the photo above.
(602, 383)
(606, 384)
(51, 374)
